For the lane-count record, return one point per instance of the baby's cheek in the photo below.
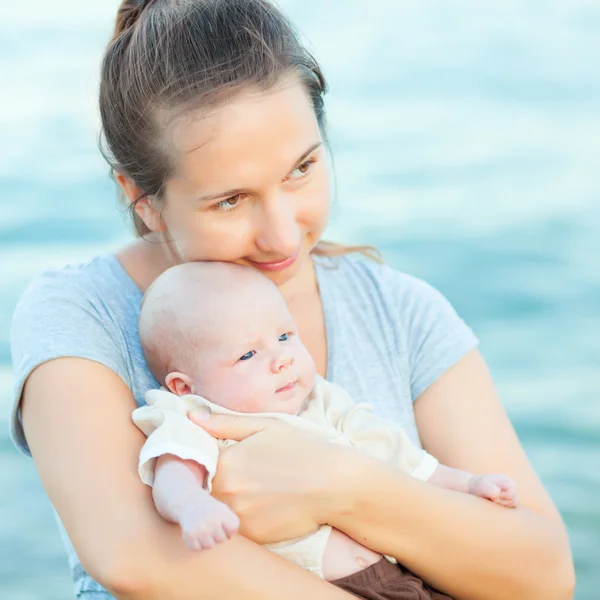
(308, 369)
(244, 396)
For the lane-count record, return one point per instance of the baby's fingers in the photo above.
(199, 540)
(507, 502)
(484, 487)
(231, 523)
(220, 535)
(509, 496)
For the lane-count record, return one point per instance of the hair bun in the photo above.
(128, 14)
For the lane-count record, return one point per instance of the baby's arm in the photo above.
(497, 488)
(181, 497)
(390, 443)
(178, 461)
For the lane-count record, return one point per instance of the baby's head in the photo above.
(224, 332)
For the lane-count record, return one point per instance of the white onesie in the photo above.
(329, 412)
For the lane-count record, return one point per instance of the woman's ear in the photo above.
(144, 208)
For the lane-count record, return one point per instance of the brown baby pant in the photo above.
(387, 581)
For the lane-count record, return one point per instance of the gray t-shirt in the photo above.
(389, 337)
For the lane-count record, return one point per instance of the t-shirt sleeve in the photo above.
(435, 337)
(58, 317)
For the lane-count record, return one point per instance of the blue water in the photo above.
(467, 146)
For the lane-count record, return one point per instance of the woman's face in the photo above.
(251, 184)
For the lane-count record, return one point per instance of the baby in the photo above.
(220, 336)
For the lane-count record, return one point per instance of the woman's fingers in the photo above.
(229, 427)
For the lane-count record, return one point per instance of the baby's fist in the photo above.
(497, 488)
(208, 523)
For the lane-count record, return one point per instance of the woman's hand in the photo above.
(281, 481)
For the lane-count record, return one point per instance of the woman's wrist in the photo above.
(339, 494)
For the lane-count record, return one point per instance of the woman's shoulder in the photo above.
(69, 310)
(414, 318)
(97, 288)
(86, 310)
(97, 294)
(83, 280)
(378, 294)
(357, 276)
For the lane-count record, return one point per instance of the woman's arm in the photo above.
(77, 420)
(467, 547)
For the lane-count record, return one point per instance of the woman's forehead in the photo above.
(254, 128)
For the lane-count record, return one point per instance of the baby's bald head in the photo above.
(224, 332)
(188, 307)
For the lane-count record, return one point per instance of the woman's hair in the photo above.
(168, 57)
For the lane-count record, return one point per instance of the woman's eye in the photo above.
(228, 204)
(284, 337)
(303, 170)
(248, 355)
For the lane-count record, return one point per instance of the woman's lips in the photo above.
(277, 265)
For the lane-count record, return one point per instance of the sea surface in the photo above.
(466, 137)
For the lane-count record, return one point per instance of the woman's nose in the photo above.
(278, 232)
(281, 363)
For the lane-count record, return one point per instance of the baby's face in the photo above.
(252, 359)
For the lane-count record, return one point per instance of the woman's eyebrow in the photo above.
(311, 149)
(236, 191)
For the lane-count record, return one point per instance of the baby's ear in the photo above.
(179, 383)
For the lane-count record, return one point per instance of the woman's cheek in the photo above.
(315, 213)
(229, 242)
(200, 246)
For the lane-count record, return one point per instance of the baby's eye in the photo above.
(248, 355)
(284, 337)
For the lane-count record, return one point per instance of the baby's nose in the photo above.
(281, 363)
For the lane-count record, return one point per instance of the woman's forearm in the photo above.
(159, 567)
(87, 455)
(465, 546)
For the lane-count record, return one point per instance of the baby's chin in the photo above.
(290, 408)
(290, 405)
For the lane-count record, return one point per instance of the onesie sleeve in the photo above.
(386, 441)
(165, 422)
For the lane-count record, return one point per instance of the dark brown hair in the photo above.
(168, 57)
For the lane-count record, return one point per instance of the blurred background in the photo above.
(467, 148)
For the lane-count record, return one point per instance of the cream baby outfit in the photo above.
(329, 412)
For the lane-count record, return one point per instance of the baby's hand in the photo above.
(208, 523)
(497, 488)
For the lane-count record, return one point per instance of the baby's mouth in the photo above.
(288, 387)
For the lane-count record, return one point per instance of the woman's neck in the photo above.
(145, 260)
(303, 284)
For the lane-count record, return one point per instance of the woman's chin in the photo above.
(282, 276)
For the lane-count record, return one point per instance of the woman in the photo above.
(214, 121)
